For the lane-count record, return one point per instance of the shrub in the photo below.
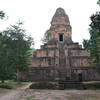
(44, 85)
(92, 85)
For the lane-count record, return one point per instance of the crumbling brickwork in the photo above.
(61, 51)
(60, 57)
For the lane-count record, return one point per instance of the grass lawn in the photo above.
(92, 84)
(3, 90)
(13, 84)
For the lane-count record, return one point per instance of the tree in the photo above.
(14, 50)
(93, 44)
(98, 2)
(46, 37)
(2, 14)
(20, 45)
(6, 69)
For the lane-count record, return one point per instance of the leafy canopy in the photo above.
(2, 14)
(47, 36)
(93, 44)
(15, 48)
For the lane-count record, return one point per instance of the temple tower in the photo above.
(60, 27)
(60, 57)
(60, 50)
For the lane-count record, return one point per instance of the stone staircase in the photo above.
(62, 58)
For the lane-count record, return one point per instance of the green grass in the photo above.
(3, 90)
(14, 84)
(92, 84)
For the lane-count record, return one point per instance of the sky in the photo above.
(37, 15)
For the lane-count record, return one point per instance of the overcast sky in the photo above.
(37, 15)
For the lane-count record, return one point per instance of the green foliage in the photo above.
(86, 44)
(98, 2)
(20, 46)
(11, 84)
(91, 85)
(2, 14)
(93, 44)
(14, 51)
(46, 37)
(5, 71)
(32, 51)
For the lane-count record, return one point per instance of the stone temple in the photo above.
(61, 51)
(60, 57)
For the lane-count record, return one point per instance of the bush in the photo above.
(44, 85)
(92, 85)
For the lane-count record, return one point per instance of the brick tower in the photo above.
(60, 50)
(60, 57)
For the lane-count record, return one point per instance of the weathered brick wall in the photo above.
(34, 62)
(47, 53)
(54, 73)
(80, 61)
(56, 53)
(41, 53)
(51, 46)
(73, 45)
(73, 57)
(65, 30)
(79, 53)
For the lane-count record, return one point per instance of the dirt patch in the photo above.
(37, 94)
(61, 95)
(14, 94)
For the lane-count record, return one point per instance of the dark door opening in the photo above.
(80, 77)
(60, 37)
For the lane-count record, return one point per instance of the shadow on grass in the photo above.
(10, 84)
